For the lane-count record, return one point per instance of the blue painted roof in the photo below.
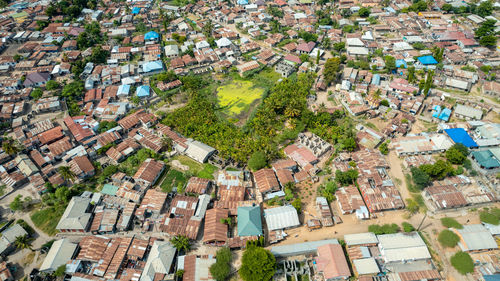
(376, 79)
(437, 110)
(152, 66)
(152, 35)
(445, 114)
(459, 135)
(426, 60)
(123, 89)
(495, 277)
(242, 2)
(142, 91)
(136, 10)
(401, 62)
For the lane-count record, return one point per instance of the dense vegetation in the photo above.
(257, 264)
(221, 269)
(281, 116)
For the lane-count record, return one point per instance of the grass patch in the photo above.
(2, 190)
(491, 216)
(200, 170)
(237, 96)
(47, 219)
(448, 238)
(451, 223)
(173, 178)
(462, 262)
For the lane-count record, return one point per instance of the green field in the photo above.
(237, 96)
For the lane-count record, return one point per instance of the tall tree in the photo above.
(23, 242)
(181, 242)
(67, 173)
(257, 264)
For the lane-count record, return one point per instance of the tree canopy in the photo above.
(257, 160)
(257, 264)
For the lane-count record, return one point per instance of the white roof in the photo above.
(360, 239)
(60, 253)
(355, 42)
(366, 266)
(468, 111)
(451, 82)
(401, 247)
(223, 42)
(357, 50)
(160, 260)
(281, 217)
(9, 236)
(199, 151)
(476, 237)
(74, 216)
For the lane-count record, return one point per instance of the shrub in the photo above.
(451, 223)
(448, 238)
(462, 262)
(407, 227)
(492, 216)
(383, 229)
(257, 160)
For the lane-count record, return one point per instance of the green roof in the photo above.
(249, 221)
(486, 159)
(19, 15)
(109, 189)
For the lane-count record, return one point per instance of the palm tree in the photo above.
(66, 173)
(10, 146)
(181, 242)
(23, 242)
(167, 143)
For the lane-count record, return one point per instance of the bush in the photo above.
(257, 161)
(221, 269)
(407, 227)
(383, 229)
(462, 262)
(490, 216)
(448, 238)
(451, 223)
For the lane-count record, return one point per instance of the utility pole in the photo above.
(420, 225)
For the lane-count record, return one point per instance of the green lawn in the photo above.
(237, 96)
(200, 170)
(173, 178)
(47, 219)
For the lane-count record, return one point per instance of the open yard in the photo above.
(237, 97)
(47, 219)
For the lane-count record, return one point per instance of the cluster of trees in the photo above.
(73, 92)
(91, 36)
(346, 178)
(308, 37)
(483, 10)
(384, 148)
(106, 125)
(417, 6)
(257, 264)
(11, 146)
(327, 190)
(19, 203)
(424, 174)
(486, 33)
(69, 9)
(331, 70)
